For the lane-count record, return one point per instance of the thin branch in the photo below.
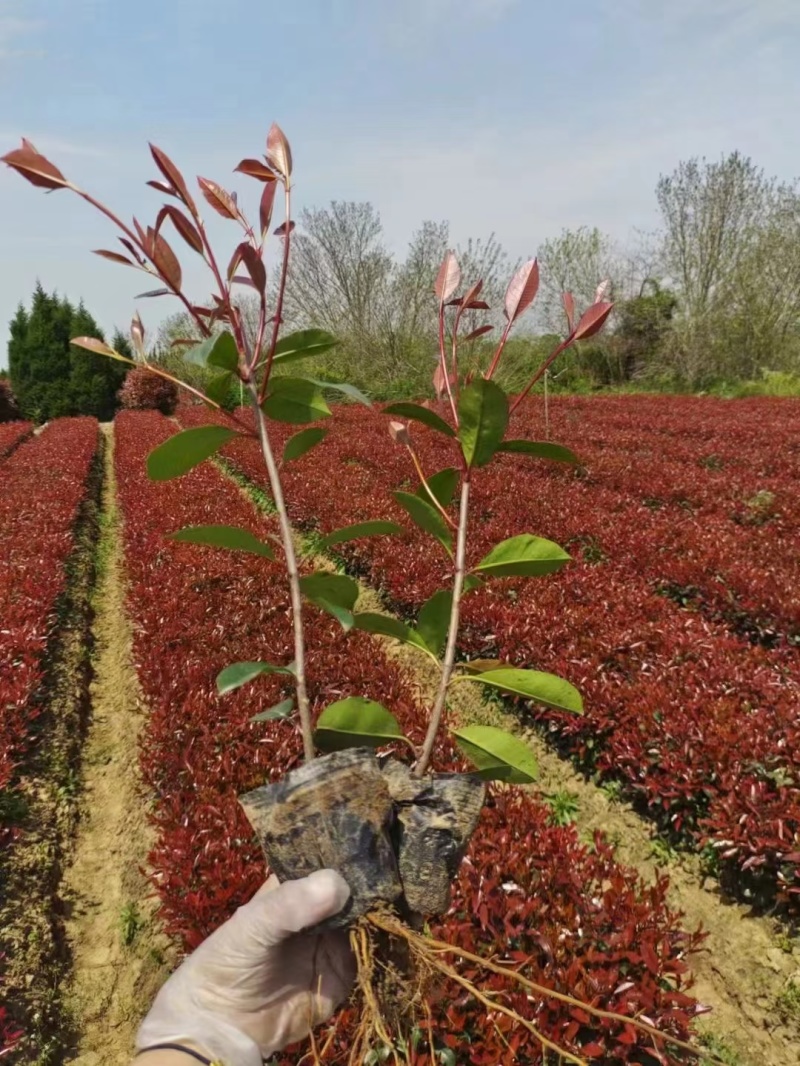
(428, 489)
(545, 366)
(291, 568)
(277, 320)
(452, 633)
(134, 238)
(443, 364)
(498, 352)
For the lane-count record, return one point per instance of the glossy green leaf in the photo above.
(346, 390)
(238, 674)
(295, 400)
(442, 485)
(303, 442)
(219, 351)
(185, 450)
(420, 414)
(376, 528)
(385, 626)
(523, 556)
(230, 537)
(219, 387)
(284, 709)
(356, 722)
(302, 344)
(540, 449)
(497, 755)
(426, 516)
(334, 593)
(434, 620)
(472, 581)
(483, 419)
(548, 689)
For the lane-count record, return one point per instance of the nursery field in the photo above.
(678, 619)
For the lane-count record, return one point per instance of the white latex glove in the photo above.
(258, 982)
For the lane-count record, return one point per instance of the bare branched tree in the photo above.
(575, 261)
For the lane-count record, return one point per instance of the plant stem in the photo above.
(278, 317)
(294, 577)
(452, 634)
(542, 369)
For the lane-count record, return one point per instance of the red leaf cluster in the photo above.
(13, 434)
(43, 485)
(142, 391)
(568, 913)
(44, 482)
(692, 705)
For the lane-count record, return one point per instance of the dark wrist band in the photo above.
(177, 1047)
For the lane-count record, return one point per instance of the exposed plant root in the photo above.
(426, 952)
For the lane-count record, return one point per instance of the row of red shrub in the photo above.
(731, 469)
(12, 434)
(43, 485)
(700, 724)
(529, 890)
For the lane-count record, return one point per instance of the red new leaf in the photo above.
(137, 334)
(280, 231)
(254, 168)
(166, 262)
(522, 290)
(115, 257)
(266, 206)
(398, 431)
(448, 279)
(172, 174)
(479, 332)
(279, 154)
(592, 320)
(162, 187)
(35, 167)
(219, 198)
(254, 266)
(185, 227)
(132, 249)
(568, 300)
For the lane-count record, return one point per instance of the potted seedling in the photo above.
(365, 801)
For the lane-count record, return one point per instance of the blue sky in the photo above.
(514, 116)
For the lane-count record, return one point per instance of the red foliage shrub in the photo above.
(44, 482)
(679, 706)
(9, 409)
(573, 917)
(144, 391)
(43, 485)
(13, 434)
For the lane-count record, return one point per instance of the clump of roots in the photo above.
(397, 968)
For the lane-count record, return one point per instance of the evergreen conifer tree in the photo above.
(52, 378)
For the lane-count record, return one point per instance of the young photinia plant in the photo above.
(476, 417)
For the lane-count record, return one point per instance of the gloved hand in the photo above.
(258, 982)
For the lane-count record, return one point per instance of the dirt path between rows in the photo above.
(118, 956)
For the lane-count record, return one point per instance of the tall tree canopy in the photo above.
(51, 377)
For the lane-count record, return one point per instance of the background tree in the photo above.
(51, 377)
(575, 261)
(9, 408)
(730, 248)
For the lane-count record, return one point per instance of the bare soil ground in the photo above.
(119, 957)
